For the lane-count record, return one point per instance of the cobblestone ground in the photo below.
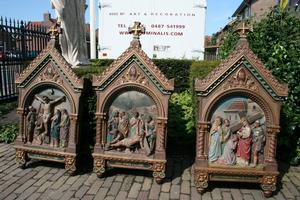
(47, 180)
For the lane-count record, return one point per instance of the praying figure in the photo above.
(73, 38)
(64, 128)
(55, 129)
(215, 140)
(31, 119)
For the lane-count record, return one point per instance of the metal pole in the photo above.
(92, 29)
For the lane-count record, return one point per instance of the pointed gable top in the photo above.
(242, 55)
(50, 54)
(134, 54)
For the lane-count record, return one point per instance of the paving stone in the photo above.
(11, 174)
(95, 187)
(78, 183)
(45, 186)
(71, 180)
(185, 187)
(207, 196)
(108, 181)
(27, 193)
(257, 195)
(236, 194)
(127, 183)
(25, 186)
(91, 179)
(88, 197)
(43, 180)
(81, 192)
(139, 179)
(134, 191)
(295, 181)
(59, 182)
(216, 194)
(279, 196)
(226, 196)
(287, 193)
(8, 183)
(166, 187)
(68, 195)
(8, 190)
(176, 181)
(27, 177)
(195, 194)
(164, 196)
(114, 189)
(53, 171)
(119, 178)
(175, 192)
(109, 198)
(184, 197)
(147, 184)
(58, 174)
(121, 195)
(101, 193)
(34, 196)
(186, 176)
(292, 188)
(11, 197)
(143, 195)
(154, 191)
(42, 173)
(248, 197)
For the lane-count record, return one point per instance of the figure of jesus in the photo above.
(47, 107)
(73, 40)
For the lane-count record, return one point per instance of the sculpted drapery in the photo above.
(73, 42)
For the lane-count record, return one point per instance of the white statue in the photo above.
(70, 15)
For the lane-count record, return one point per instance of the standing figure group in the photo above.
(43, 128)
(226, 147)
(135, 134)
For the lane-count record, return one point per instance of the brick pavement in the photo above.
(47, 180)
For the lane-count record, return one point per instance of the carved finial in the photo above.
(54, 31)
(137, 30)
(243, 29)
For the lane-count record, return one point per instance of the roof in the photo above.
(237, 106)
(242, 6)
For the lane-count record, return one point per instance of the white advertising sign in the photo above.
(174, 28)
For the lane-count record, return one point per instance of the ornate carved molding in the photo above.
(242, 54)
(21, 158)
(201, 181)
(159, 171)
(70, 164)
(268, 184)
(133, 75)
(241, 79)
(99, 166)
(50, 73)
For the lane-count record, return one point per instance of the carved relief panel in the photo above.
(238, 121)
(132, 113)
(49, 94)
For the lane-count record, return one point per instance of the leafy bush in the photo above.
(230, 40)
(8, 133)
(7, 107)
(178, 69)
(276, 41)
(181, 124)
(199, 69)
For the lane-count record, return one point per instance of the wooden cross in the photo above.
(243, 29)
(137, 30)
(54, 31)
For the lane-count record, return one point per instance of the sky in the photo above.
(218, 11)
